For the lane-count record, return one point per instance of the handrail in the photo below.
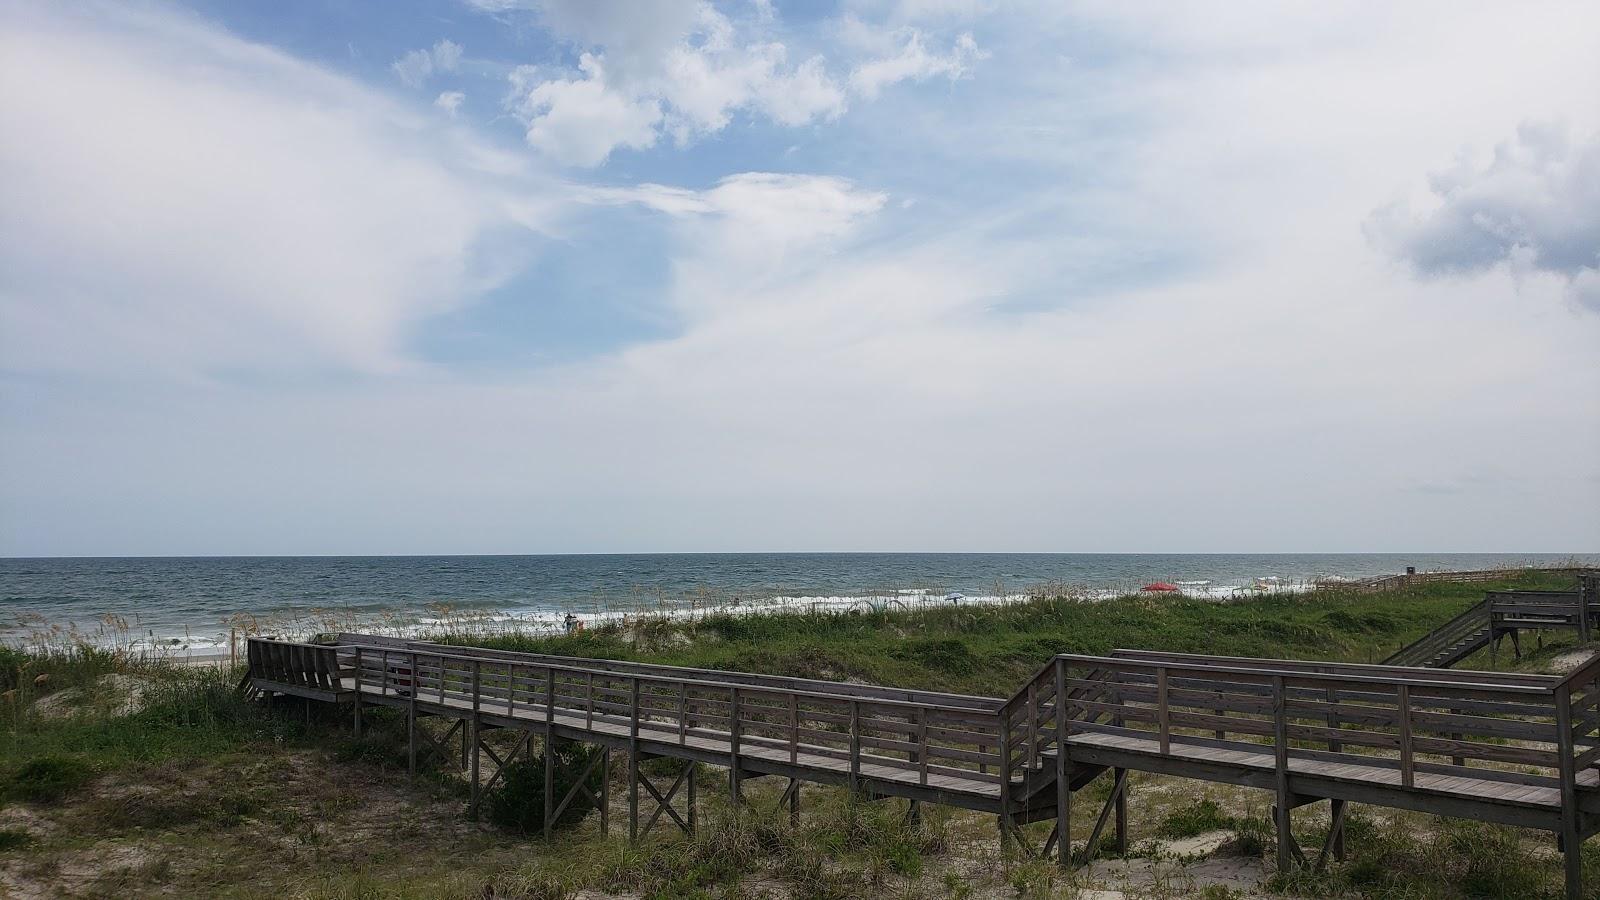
(1267, 672)
(661, 679)
(1530, 678)
(982, 704)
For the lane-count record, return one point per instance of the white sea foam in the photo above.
(181, 641)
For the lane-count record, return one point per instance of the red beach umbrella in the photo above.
(1159, 587)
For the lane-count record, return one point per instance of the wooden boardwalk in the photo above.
(1495, 747)
(1504, 614)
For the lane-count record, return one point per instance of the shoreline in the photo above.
(188, 649)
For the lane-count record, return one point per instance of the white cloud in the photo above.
(1535, 207)
(580, 121)
(417, 66)
(912, 61)
(269, 217)
(683, 68)
(1132, 309)
(449, 101)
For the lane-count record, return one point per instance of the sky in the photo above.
(535, 276)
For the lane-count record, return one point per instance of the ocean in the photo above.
(189, 604)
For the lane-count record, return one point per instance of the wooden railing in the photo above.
(835, 729)
(865, 691)
(314, 666)
(1396, 582)
(1520, 729)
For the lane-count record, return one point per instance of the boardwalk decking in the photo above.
(1497, 747)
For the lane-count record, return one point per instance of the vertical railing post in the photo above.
(1032, 750)
(477, 699)
(1283, 821)
(734, 775)
(855, 748)
(1571, 835)
(1407, 763)
(1005, 778)
(1063, 769)
(411, 719)
(922, 746)
(1163, 714)
(1583, 609)
(794, 729)
(683, 713)
(549, 750)
(357, 695)
(633, 759)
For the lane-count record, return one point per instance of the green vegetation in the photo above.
(517, 804)
(991, 650)
(1198, 817)
(192, 790)
(48, 779)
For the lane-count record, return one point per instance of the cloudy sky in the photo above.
(490, 276)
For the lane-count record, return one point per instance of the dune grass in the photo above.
(991, 650)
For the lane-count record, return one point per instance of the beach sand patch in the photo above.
(114, 694)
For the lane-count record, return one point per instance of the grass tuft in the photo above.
(48, 779)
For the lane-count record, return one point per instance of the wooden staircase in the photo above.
(1450, 643)
(1502, 613)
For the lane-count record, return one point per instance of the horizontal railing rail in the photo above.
(623, 666)
(916, 741)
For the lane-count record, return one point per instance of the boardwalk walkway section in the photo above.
(1496, 747)
(1504, 614)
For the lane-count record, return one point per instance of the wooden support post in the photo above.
(1063, 770)
(411, 720)
(605, 791)
(477, 739)
(1005, 780)
(734, 775)
(1283, 821)
(1335, 841)
(1407, 762)
(550, 750)
(693, 803)
(1122, 811)
(1571, 835)
(356, 698)
(633, 761)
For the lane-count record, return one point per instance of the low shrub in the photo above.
(48, 779)
(517, 803)
(1198, 817)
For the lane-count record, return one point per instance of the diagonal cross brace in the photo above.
(581, 785)
(500, 768)
(664, 802)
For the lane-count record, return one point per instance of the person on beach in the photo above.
(571, 623)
